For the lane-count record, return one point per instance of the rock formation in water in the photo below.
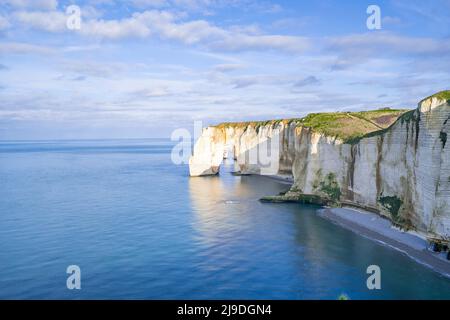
(394, 162)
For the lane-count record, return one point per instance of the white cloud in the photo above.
(229, 67)
(204, 7)
(380, 43)
(4, 23)
(83, 78)
(149, 3)
(193, 4)
(32, 4)
(240, 42)
(115, 29)
(81, 48)
(153, 92)
(93, 68)
(91, 12)
(190, 5)
(55, 21)
(170, 26)
(23, 48)
(213, 37)
(166, 25)
(52, 21)
(391, 20)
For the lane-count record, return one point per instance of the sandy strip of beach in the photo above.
(379, 229)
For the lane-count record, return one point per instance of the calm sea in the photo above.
(139, 227)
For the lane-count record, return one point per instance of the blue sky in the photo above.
(142, 68)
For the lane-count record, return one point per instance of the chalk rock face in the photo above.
(405, 172)
(401, 171)
(209, 152)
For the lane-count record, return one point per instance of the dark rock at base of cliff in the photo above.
(238, 173)
(297, 198)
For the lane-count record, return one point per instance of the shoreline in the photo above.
(380, 229)
(282, 178)
(376, 228)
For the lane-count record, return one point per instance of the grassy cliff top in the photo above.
(347, 126)
(350, 127)
(442, 95)
(254, 124)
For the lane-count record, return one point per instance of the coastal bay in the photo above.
(109, 206)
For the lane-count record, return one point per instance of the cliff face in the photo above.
(400, 169)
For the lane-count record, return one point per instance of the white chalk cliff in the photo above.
(402, 170)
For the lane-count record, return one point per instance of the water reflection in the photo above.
(290, 251)
(168, 236)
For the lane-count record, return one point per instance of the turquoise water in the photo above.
(139, 227)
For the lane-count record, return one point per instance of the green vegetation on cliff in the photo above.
(350, 127)
(442, 95)
(347, 126)
(330, 187)
(392, 204)
(327, 185)
(255, 124)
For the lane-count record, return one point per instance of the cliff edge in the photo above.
(394, 162)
